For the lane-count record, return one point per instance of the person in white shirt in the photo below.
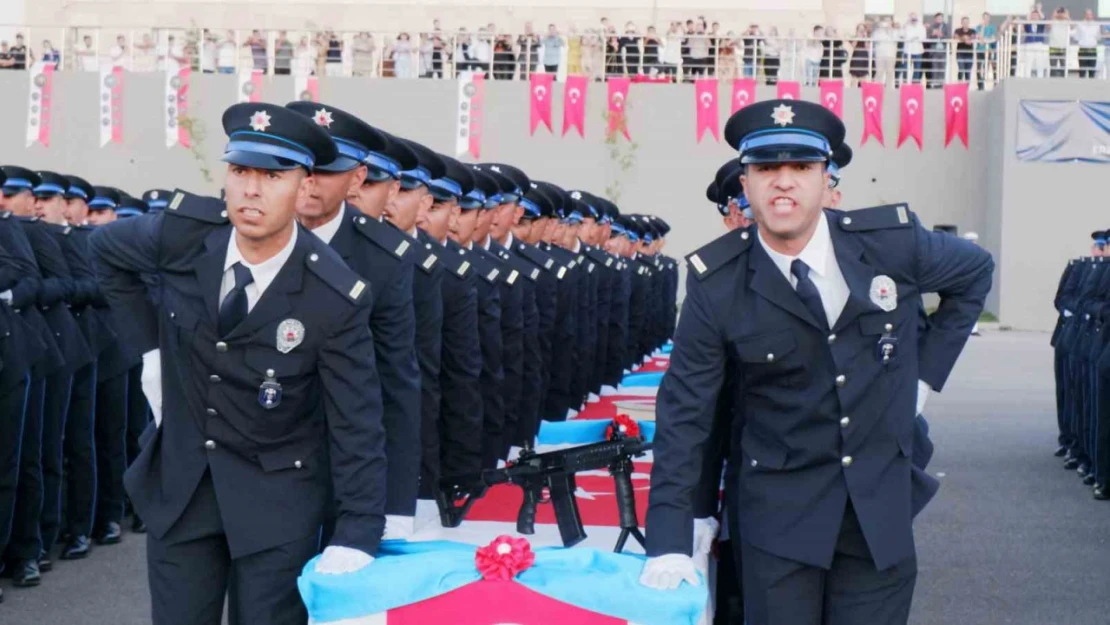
(815, 51)
(886, 52)
(86, 54)
(1059, 39)
(208, 54)
(226, 54)
(118, 56)
(914, 35)
(1086, 37)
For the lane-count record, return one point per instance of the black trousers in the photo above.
(55, 409)
(78, 444)
(191, 571)
(138, 412)
(728, 600)
(111, 453)
(778, 591)
(13, 401)
(25, 542)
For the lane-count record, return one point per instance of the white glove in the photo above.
(398, 527)
(705, 530)
(669, 571)
(571, 413)
(339, 560)
(151, 381)
(514, 453)
(923, 390)
(6, 297)
(427, 513)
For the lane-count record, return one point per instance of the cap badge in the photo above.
(260, 121)
(323, 118)
(576, 195)
(783, 115)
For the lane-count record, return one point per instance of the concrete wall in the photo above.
(982, 188)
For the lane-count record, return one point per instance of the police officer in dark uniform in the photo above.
(830, 365)
(401, 213)
(271, 403)
(378, 254)
(25, 546)
(459, 426)
(571, 224)
(589, 231)
(615, 243)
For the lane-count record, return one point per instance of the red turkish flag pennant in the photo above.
(618, 100)
(913, 99)
(705, 90)
(832, 96)
(541, 92)
(872, 94)
(743, 93)
(477, 102)
(790, 90)
(574, 104)
(955, 112)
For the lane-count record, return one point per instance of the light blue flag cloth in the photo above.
(654, 378)
(584, 431)
(666, 349)
(405, 573)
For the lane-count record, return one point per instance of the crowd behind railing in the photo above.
(929, 51)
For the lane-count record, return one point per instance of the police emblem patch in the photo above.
(884, 293)
(290, 333)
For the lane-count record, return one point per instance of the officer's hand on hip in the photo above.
(667, 572)
(337, 560)
(398, 527)
(151, 381)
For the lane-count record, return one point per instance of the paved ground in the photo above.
(1011, 539)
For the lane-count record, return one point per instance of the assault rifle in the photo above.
(549, 477)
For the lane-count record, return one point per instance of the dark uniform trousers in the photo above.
(491, 303)
(264, 428)
(427, 302)
(524, 421)
(823, 479)
(564, 342)
(512, 285)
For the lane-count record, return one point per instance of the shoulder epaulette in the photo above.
(719, 251)
(538, 256)
(386, 237)
(5, 214)
(201, 208)
(876, 218)
(329, 267)
(455, 261)
(600, 257)
(486, 265)
(424, 256)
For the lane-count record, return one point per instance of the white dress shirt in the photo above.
(824, 271)
(327, 231)
(263, 273)
(508, 241)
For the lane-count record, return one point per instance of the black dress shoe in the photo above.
(45, 563)
(1061, 451)
(26, 574)
(1101, 492)
(1071, 464)
(76, 548)
(137, 525)
(1083, 470)
(1089, 480)
(110, 534)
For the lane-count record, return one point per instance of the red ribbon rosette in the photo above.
(622, 426)
(504, 558)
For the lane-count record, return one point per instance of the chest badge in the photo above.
(290, 333)
(884, 293)
(269, 394)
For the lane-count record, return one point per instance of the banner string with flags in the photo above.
(708, 117)
(111, 104)
(574, 104)
(39, 104)
(955, 112)
(540, 101)
(832, 96)
(743, 93)
(468, 130)
(250, 85)
(618, 104)
(872, 96)
(912, 124)
(177, 106)
(306, 88)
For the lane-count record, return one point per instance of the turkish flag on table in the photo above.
(955, 112)
(872, 94)
(832, 96)
(913, 98)
(541, 101)
(489, 602)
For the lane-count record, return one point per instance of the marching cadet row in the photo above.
(492, 301)
(71, 409)
(1082, 366)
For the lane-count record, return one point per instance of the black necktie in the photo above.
(808, 292)
(234, 307)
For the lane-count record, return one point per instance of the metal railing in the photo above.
(1022, 48)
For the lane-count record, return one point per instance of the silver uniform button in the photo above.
(221, 347)
(297, 464)
(223, 214)
(173, 315)
(847, 221)
(744, 235)
(269, 373)
(770, 358)
(755, 463)
(213, 378)
(846, 461)
(840, 380)
(845, 422)
(211, 412)
(889, 327)
(314, 257)
(209, 445)
(832, 339)
(361, 220)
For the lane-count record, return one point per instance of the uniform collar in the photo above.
(327, 231)
(817, 253)
(264, 272)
